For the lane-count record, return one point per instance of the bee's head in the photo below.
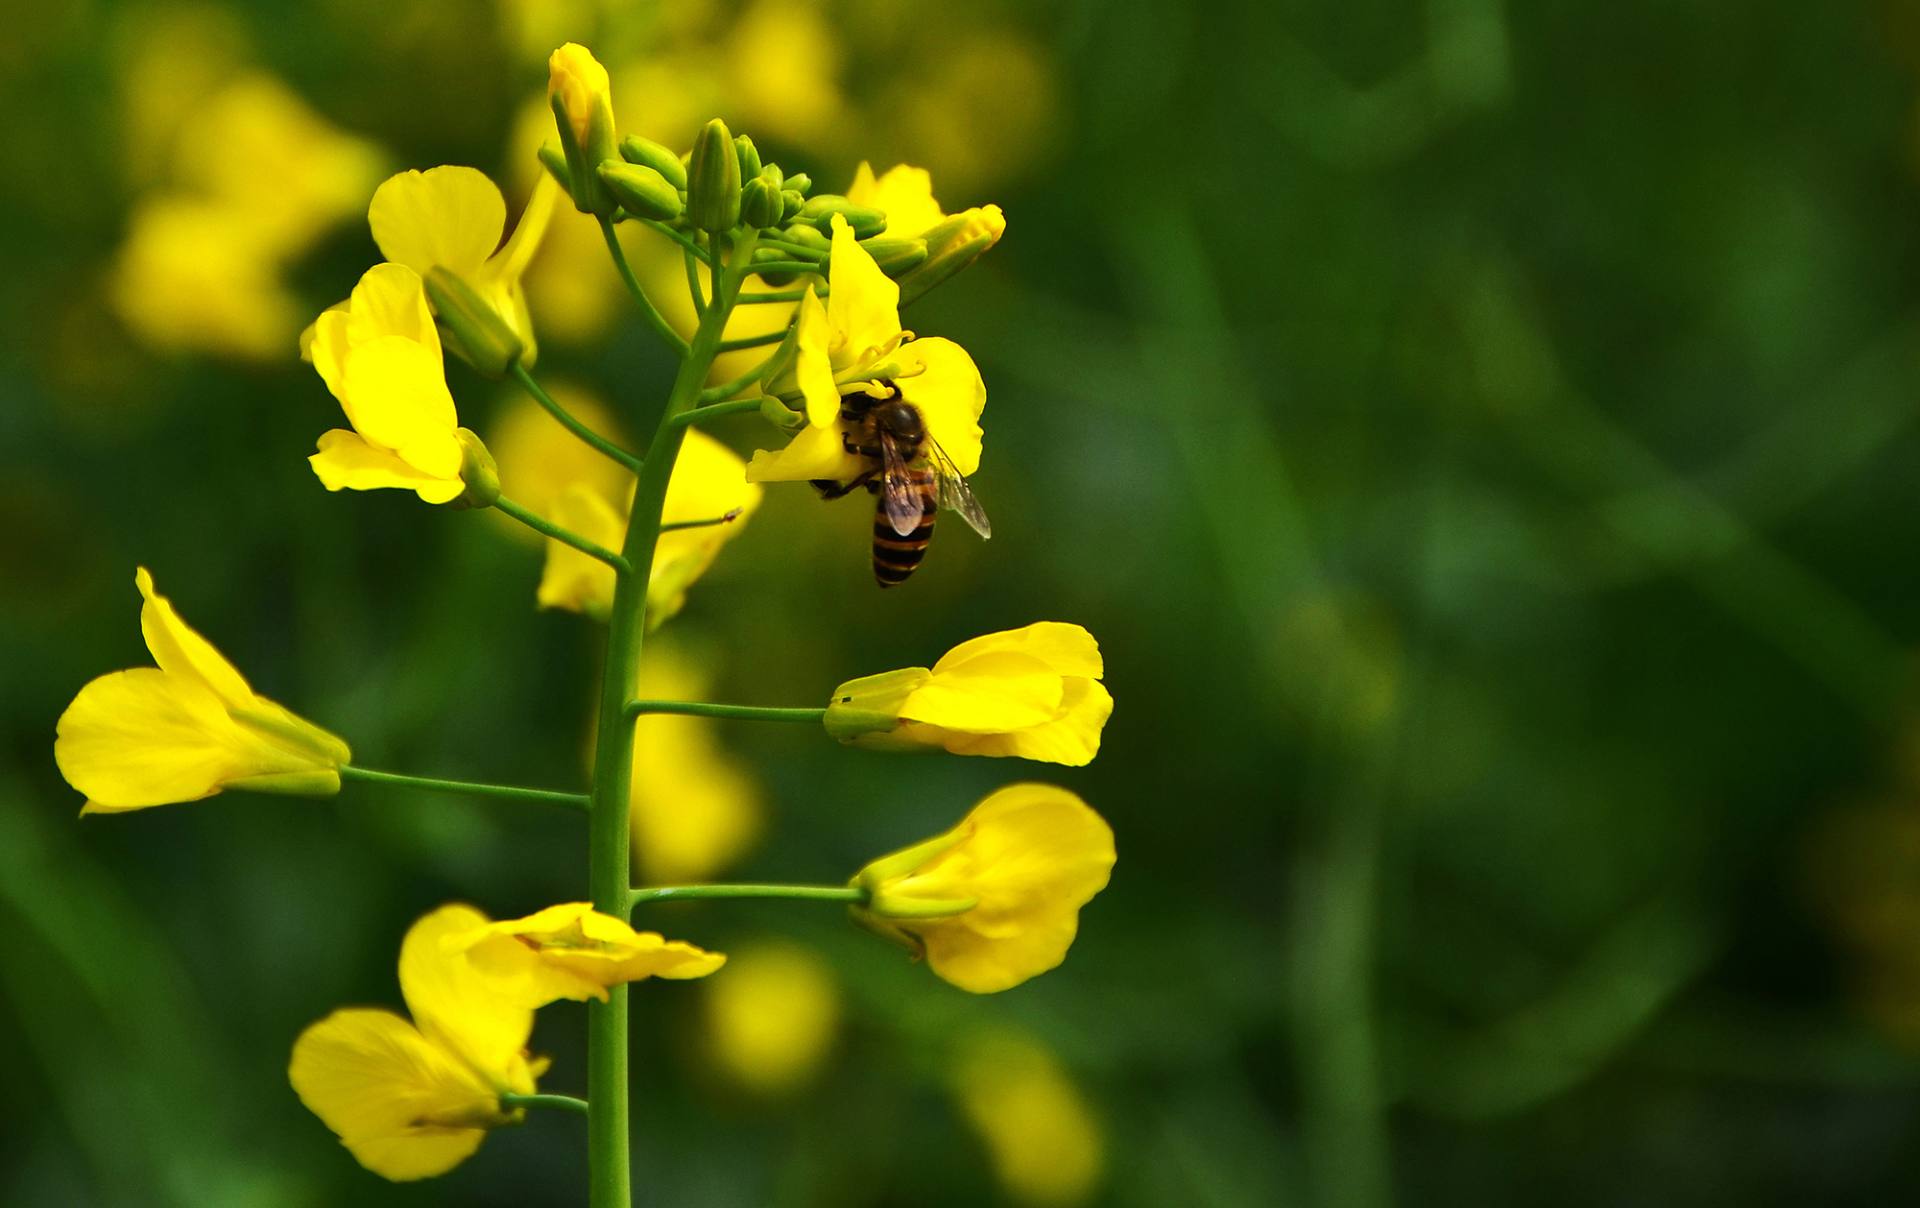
(899, 418)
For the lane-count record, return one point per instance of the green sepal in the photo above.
(641, 191)
(895, 255)
(648, 154)
(477, 470)
(800, 183)
(870, 706)
(318, 782)
(469, 326)
(554, 160)
(589, 195)
(748, 155)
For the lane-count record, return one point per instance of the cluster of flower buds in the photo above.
(721, 185)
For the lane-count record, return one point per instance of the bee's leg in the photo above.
(829, 489)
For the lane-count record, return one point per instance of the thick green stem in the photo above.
(542, 525)
(695, 708)
(570, 423)
(565, 1103)
(466, 788)
(804, 893)
(609, 882)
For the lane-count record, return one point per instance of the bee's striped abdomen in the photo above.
(895, 557)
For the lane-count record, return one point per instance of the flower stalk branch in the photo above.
(467, 788)
(548, 528)
(570, 422)
(852, 894)
(694, 708)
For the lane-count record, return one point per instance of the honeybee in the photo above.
(911, 476)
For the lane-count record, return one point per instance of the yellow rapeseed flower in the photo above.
(1032, 692)
(573, 951)
(853, 343)
(708, 481)
(1041, 1134)
(771, 1020)
(903, 193)
(452, 217)
(379, 354)
(413, 1100)
(194, 275)
(186, 729)
(996, 900)
(580, 88)
(695, 809)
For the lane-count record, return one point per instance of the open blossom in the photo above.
(905, 195)
(1032, 692)
(186, 729)
(414, 1099)
(452, 217)
(996, 900)
(379, 354)
(853, 343)
(573, 951)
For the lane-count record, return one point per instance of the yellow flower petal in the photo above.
(1028, 858)
(347, 462)
(1072, 738)
(396, 396)
(814, 453)
(391, 300)
(904, 194)
(708, 480)
(988, 694)
(863, 304)
(457, 1006)
(573, 951)
(813, 363)
(570, 579)
(450, 216)
(402, 1105)
(1066, 648)
(180, 651)
(950, 395)
(139, 738)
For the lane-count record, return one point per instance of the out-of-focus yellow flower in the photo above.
(413, 1100)
(1032, 692)
(695, 810)
(783, 65)
(452, 217)
(380, 356)
(771, 1020)
(199, 276)
(186, 729)
(982, 106)
(261, 150)
(573, 951)
(1041, 1134)
(854, 343)
(904, 194)
(708, 481)
(539, 459)
(996, 900)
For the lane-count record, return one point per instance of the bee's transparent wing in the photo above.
(898, 500)
(955, 495)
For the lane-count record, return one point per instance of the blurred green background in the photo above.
(1480, 435)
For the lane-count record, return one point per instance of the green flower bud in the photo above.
(478, 471)
(578, 93)
(780, 415)
(760, 204)
(774, 176)
(773, 255)
(807, 236)
(951, 246)
(799, 182)
(641, 191)
(713, 180)
(894, 255)
(790, 202)
(474, 330)
(820, 209)
(749, 156)
(649, 154)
